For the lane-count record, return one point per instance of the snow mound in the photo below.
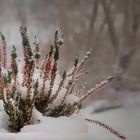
(61, 126)
(48, 128)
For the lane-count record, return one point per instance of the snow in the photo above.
(72, 98)
(61, 128)
(1, 106)
(37, 116)
(3, 71)
(125, 120)
(96, 106)
(69, 126)
(41, 136)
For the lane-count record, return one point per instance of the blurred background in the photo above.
(110, 27)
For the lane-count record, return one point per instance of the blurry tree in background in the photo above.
(110, 27)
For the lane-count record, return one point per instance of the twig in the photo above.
(107, 127)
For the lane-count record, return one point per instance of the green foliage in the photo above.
(13, 53)
(15, 115)
(2, 36)
(9, 77)
(37, 49)
(24, 35)
(19, 110)
(64, 109)
(14, 64)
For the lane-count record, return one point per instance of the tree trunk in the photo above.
(111, 26)
(91, 24)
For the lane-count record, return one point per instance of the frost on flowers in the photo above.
(35, 82)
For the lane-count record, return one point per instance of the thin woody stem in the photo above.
(107, 127)
(97, 87)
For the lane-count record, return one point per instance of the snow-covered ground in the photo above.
(124, 119)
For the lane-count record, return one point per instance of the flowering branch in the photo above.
(4, 58)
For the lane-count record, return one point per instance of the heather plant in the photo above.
(38, 84)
